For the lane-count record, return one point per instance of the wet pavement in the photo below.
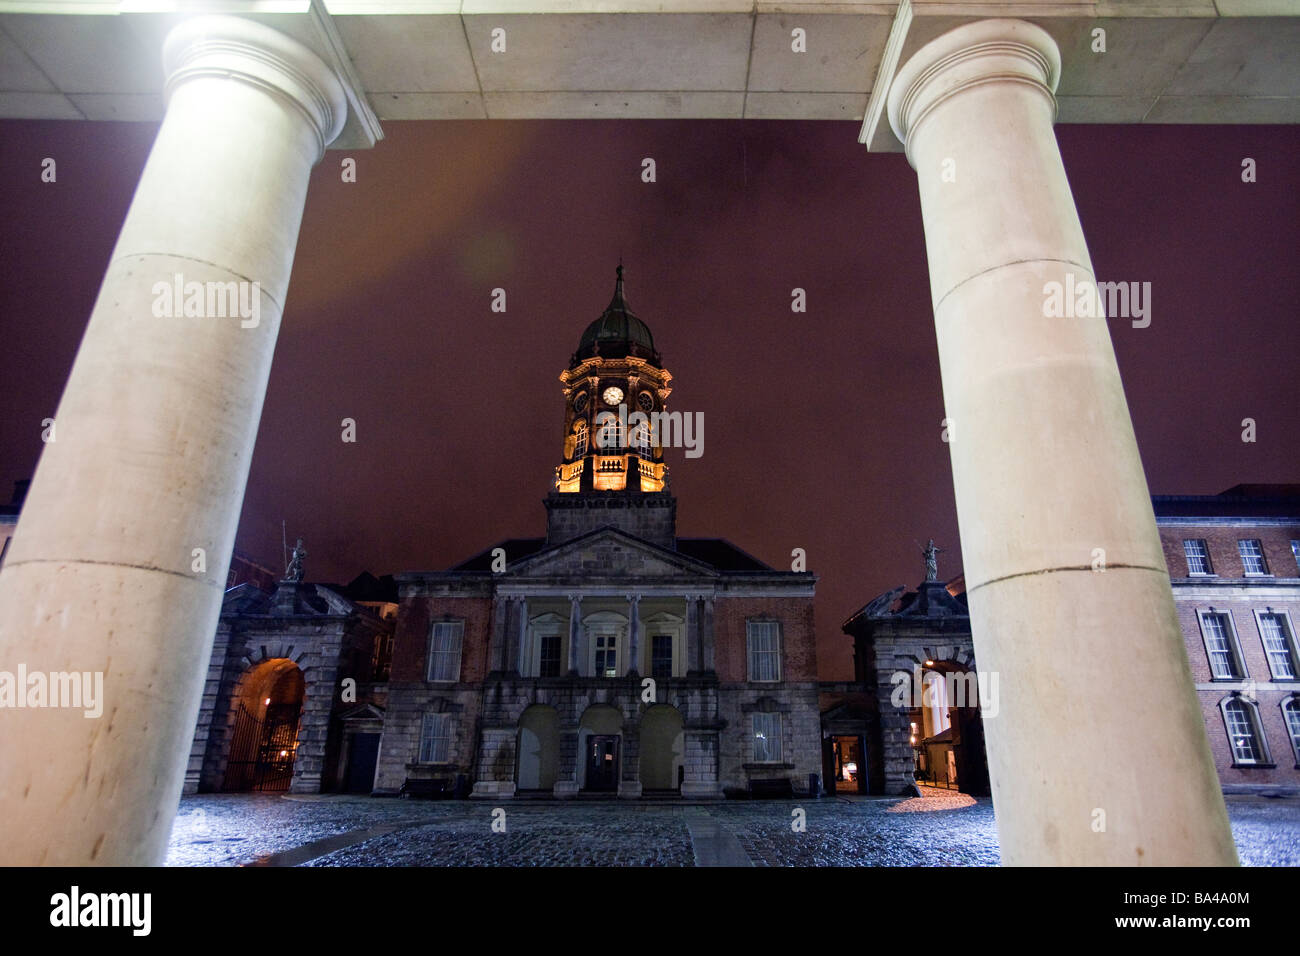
(267, 829)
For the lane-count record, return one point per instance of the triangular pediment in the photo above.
(608, 553)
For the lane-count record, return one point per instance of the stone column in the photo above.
(566, 779)
(155, 430)
(706, 636)
(633, 633)
(497, 638)
(575, 634)
(525, 659)
(692, 635)
(1048, 481)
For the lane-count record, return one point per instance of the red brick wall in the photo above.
(1275, 732)
(798, 636)
(1221, 542)
(1249, 639)
(411, 643)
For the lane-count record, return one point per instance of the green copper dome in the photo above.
(617, 333)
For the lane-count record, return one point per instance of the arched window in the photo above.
(1242, 724)
(609, 432)
(1291, 711)
(579, 439)
(641, 439)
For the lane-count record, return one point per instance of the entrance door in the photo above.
(362, 757)
(850, 768)
(602, 763)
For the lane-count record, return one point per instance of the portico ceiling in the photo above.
(1166, 61)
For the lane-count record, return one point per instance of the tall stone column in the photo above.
(706, 635)
(1070, 600)
(575, 634)
(119, 563)
(693, 650)
(497, 636)
(524, 662)
(633, 633)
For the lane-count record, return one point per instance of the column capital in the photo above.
(234, 48)
(986, 51)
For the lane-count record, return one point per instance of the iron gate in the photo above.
(271, 743)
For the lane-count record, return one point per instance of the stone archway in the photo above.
(539, 748)
(264, 726)
(948, 730)
(663, 748)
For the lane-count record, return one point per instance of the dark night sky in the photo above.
(822, 429)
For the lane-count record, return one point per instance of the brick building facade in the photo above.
(1234, 566)
(1234, 561)
(608, 657)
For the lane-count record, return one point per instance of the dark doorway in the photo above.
(602, 763)
(849, 765)
(362, 757)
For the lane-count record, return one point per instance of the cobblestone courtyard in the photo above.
(241, 829)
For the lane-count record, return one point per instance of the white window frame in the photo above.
(436, 734)
(662, 622)
(771, 733)
(1203, 557)
(641, 439)
(609, 433)
(610, 640)
(580, 438)
(1291, 721)
(1295, 552)
(1256, 728)
(546, 625)
(1263, 563)
(1288, 640)
(610, 624)
(751, 653)
(436, 655)
(1230, 637)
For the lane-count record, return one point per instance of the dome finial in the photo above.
(618, 302)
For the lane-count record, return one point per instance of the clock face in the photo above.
(612, 395)
(580, 403)
(646, 401)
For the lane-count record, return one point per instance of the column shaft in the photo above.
(634, 634)
(575, 634)
(1048, 481)
(119, 564)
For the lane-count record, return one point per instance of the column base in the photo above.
(306, 784)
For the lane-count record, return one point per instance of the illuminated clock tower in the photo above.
(613, 472)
